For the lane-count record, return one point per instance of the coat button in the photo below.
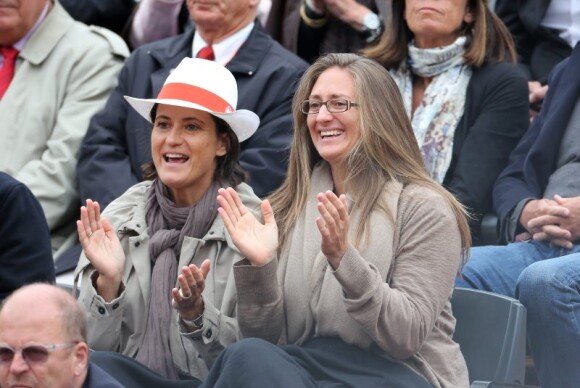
(115, 306)
(137, 243)
(102, 310)
(208, 333)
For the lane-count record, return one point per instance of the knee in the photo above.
(541, 282)
(247, 350)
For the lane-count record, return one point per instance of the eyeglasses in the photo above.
(336, 105)
(35, 354)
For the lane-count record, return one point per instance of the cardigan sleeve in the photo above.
(400, 315)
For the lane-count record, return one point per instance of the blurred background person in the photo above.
(111, 14)
(164, 232)
(56, 73)
(25, 251)
(310, 28)
(453, 61)
(353, 267)
(544, 32)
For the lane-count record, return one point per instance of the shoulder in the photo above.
(421, 201)
(130, 202)
(498, 72)
(275, 53)
(249, 199)
(114, 42)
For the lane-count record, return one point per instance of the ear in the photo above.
(80, 358)
(223, 145)
(468, 18)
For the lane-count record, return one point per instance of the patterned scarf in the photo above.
(168, 225)
(437, 116)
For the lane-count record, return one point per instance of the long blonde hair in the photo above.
(387, 149)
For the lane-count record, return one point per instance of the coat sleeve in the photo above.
(492, 130)
(25, 250)
(400, 315)
(260, 302)
(52, 177)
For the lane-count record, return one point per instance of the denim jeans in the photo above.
(547, 282)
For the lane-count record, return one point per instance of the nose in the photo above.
(18, 364)
(175, 135)
(324, 114)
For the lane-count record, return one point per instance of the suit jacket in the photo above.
(535, 157)
(117, 142)
(64, 75)
(494, 119)
(25, 253)
(539, 48)
(98, 378)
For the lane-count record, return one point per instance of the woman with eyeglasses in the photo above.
(348, 279)
(454, 64)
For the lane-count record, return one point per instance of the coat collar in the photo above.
(47, 36)
(246, 61)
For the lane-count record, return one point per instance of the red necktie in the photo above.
(7, 70)
(206, 53)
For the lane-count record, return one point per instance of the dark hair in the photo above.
(490, 39)
(228, 169)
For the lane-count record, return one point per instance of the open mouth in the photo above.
(175, 158)
(328, 134)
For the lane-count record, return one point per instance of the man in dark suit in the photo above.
(537, 199)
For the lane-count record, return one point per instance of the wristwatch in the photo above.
(196, 323)
(372, 27)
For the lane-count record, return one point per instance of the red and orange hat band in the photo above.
(196, 95)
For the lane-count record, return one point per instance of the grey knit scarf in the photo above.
(167, 227)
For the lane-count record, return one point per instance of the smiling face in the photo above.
(334, 134)
(17, 17)
(185, 146)
(436, 23)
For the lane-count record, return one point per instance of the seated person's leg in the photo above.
(497, 268)
(253, 362)
(550, 290)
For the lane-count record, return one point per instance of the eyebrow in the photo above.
(165, 117)
(332, 96)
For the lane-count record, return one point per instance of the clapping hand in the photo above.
(102, 248)
(187, 300)
(333, 225)
(257, 242)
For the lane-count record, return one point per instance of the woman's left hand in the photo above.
(187, 300)
(333, 226)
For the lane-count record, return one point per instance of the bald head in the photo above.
(44, 315)
(45, 298)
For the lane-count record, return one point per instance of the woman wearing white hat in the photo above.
(161, 244)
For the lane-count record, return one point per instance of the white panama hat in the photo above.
(205, 85)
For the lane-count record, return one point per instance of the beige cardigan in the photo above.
(392, 294)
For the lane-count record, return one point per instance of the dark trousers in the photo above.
(321, 362)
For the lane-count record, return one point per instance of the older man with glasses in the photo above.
(42, 341)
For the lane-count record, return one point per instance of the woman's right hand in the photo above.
(257, 242)
(102, 248)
